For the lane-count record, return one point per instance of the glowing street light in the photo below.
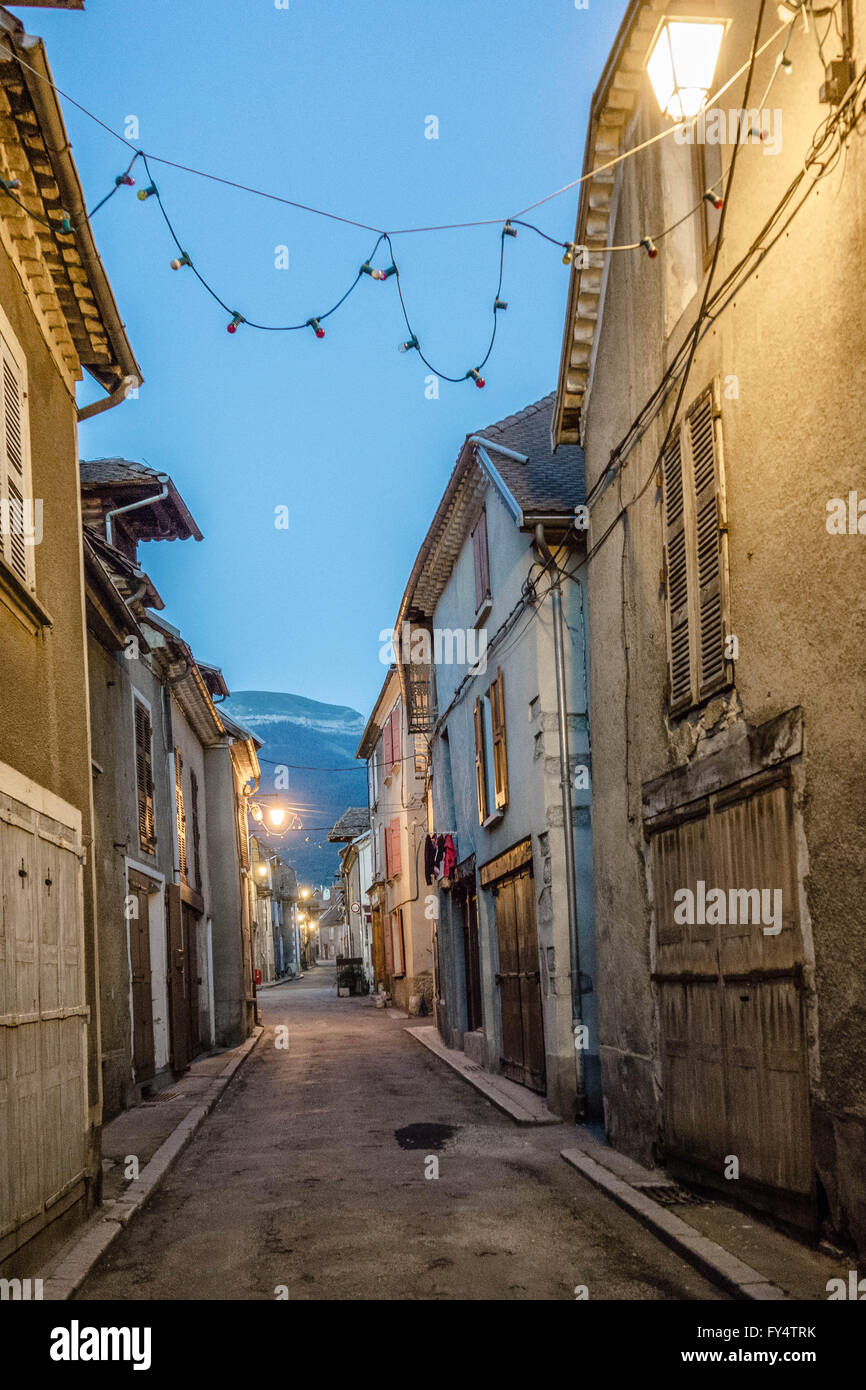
(682, 63)
(276, 816)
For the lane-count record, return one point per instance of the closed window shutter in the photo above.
(500, 750)
(711, 606)
(16, 553)
(388, 741)
(396, 855)
(196, 833)
(481, 560)
(480, 778)
(385, 838)
(676, 571)
(144, 776)
(181, 814)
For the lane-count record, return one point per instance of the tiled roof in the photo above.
(548, 483)
(95, 471)
(351, 824)
(166, 519)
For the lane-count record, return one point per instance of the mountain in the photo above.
(305, 736)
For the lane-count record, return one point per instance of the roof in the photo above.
(547, 483)
(351, 824)
(385, 701)
(235, 730)
(334, 916)
(77, 309)
(536, 486)
(613, 106)
(122, 481)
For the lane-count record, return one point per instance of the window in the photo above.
(17, 520)
(481, 560)
(393, 857)
(695, 571)
(391, 740)
(144, 777)
(181, 813)
(196, 834)
(710, 179)
(491, 754)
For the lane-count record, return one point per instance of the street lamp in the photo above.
(682, 63)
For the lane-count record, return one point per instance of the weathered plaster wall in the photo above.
(790, 352)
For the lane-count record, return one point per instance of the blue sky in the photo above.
(325, 103)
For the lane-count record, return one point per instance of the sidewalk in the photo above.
(731, 1245)
(138, 1148)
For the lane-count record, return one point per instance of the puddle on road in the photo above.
(424, 1136)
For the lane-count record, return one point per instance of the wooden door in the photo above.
(177, 981)
(142, 985)
(519, 981)
(733, 1038)
(192, 982)
(472, 960)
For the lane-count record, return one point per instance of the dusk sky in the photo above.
(335, 430)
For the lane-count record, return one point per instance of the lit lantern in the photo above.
(682, 63)
(276, 816)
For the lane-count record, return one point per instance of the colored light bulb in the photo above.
(145, 193)
(316, 327)
(182, 259)
(508, 230)
(476, 377)
(66, 225)
(232, 327)
(126, 179)
(408, 345)
(10, 183)
(392, 270)
(500, 304)
(717, 202)
(568, 255)
(650, 247)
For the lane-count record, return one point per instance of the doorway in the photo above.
(143, 1059)
(519, 976)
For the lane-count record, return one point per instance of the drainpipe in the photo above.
(116, 397)
(131, 506)
(567, 814)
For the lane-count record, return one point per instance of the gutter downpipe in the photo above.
(116, 397)
(567, 813)
(132, 506)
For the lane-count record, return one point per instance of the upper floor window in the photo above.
(491, 751)
(19, 524)
(481, 559)
(144, 776)
(196, 829)
(181, 814)
(696, 568)
(392, 742)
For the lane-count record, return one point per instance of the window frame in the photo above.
(9, 346)
(148, 846)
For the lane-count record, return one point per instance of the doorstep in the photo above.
(524, 1107)
(730, 1245)
(155, 1132)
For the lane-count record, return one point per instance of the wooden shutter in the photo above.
(196, 831)
(480, 776)
(396, 863)
(676, 574)
(500, 750)
(13, 485)
(388, 742)
(144, 776)
(181, 813)
(710, 607)
(481, 559)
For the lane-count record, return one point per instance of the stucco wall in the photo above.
(790, 353)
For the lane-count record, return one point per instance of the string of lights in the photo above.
(412, 342)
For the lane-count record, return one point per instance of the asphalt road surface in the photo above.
(310, 1181)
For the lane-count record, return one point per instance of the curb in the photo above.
(105, 1225)
(527, 1110)
(710, 1259)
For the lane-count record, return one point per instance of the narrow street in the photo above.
(299, 1179)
